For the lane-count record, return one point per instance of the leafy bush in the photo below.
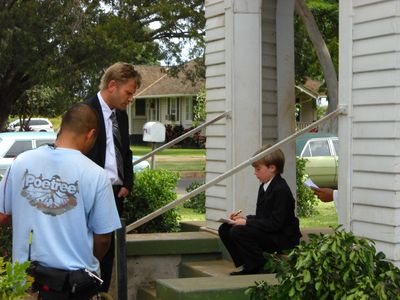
(13, 280)
(5, 241)
(198, 203)
(334, 266)
(152, 190)
(306, 200)
(197, 140)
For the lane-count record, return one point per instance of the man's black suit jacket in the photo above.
(98, 152)
(275, 213)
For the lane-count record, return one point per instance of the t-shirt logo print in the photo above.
(52, 196)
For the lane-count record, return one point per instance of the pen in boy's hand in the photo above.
(237, 213)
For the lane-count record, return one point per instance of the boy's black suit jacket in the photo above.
(98, 152)
(275, 214)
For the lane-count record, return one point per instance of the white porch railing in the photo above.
(182, 137)
(302, 125)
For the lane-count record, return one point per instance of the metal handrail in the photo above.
(180, 138)
(232, 171)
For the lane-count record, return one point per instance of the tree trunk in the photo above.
(325, 60)
(12, 86)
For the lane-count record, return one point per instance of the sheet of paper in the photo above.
(223, 220)
(310, 184)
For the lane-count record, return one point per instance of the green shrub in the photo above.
(5, 241)
(198, 203)
(152, 190)
(334, 266)
(306, 200)
(13, 280)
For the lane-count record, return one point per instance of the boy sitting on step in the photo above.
(273, 228)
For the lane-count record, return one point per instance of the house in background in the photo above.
(162, 98)
(307, 99)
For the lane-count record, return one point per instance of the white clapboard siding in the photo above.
(374, 197)
(373, 214)
(376, 96)
(368, 163)
(269, 77)
(378, 232)
(216, 104)
(374, 143)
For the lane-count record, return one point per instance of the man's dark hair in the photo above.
(80, 119)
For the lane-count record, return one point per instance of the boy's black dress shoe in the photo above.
(245, 272)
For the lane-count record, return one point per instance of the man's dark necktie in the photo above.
(117, 145)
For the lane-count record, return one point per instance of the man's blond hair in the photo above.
(120, 72)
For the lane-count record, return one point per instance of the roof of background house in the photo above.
(311, 88)
(156, 82)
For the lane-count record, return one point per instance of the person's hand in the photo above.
(236, 215)
(324, 194)
(239, 220)
(123, 192)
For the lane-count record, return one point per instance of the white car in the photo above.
(35, 124)
(14, 143)
(140, 166)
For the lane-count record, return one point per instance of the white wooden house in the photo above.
(250, 72)
(162, 98)
(369, 185)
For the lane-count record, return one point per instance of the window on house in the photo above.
(188, 109)
(140, 107)
(154, 109)
(173, 109)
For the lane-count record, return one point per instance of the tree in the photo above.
(64, 45)
(318, 22)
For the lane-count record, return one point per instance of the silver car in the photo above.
(14, 143)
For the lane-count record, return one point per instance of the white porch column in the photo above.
(286, 85)
(243, 88)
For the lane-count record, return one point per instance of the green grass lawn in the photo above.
(326, 216)
(196, 165)
(142, 150)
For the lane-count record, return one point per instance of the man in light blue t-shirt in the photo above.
(62, 199)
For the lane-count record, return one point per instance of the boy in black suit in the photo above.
(273, 228)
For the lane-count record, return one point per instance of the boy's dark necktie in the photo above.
(117, 145)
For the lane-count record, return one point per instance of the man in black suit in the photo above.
(111, 150)
(273, 228)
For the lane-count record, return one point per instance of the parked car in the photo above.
(140, 166)
(321, 152)
(14, 143)
(35, 124)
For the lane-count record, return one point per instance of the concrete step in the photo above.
(210, 288)
(172, 243)
(191, 226)
(206, 268)
(147, 293)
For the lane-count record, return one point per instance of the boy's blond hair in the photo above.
(276, 158)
